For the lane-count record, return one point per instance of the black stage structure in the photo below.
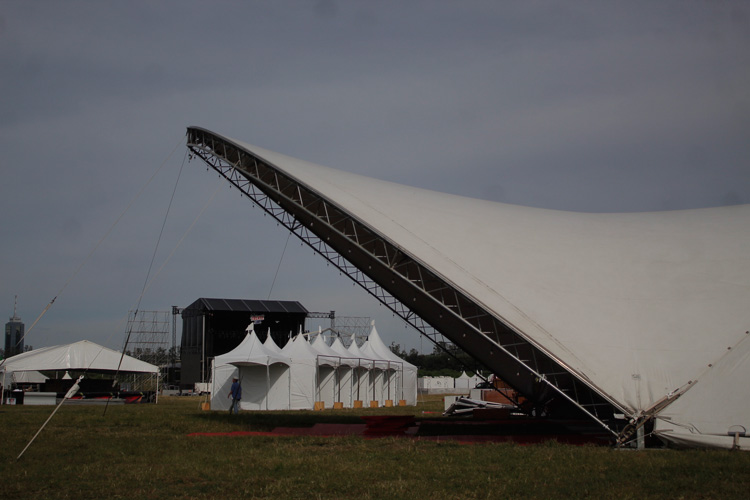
(418, 295)
(211, 327)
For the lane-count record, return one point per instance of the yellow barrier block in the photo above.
(358, 404)
(402, 402)
(205, 406)
(388, 403)
(319, 405)
(338, 405)
(374, 404)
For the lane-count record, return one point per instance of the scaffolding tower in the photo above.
(149, 337)
(342, 326)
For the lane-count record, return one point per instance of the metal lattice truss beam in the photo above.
(418, 295)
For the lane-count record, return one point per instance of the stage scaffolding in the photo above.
(149, 341)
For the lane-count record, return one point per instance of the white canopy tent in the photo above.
(264, 375)
(82, 355)
(78, 356)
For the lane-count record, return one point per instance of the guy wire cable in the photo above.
(148, 273)
(73, 389)
(281, 259)
(88, 257)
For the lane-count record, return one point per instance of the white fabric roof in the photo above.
(82, 355)
(251, 351)
(640, 304)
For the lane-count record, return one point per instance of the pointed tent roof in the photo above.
(271, 344)
(300, 349)
(378, 348)
(635, 305)
(82, 355)
(251, 352)
(325, 351)
(346, 356)
(356, 352)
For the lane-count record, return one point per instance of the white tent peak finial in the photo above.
(250, 328)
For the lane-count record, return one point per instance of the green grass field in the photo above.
(144, 451)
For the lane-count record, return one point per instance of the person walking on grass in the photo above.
(236, 394)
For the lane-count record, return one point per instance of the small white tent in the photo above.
(263, 374)
(463, 381)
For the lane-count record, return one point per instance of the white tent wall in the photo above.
(326, 390)
(279, 383)
(344, 374)
(254, 382)
(302, 372)
(221, 383)
(360, 384)
(377, 381)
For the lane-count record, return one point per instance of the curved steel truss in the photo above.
(400, 282)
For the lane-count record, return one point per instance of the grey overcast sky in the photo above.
(590, 106)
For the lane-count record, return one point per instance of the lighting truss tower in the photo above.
(419, 296)
(345, 326)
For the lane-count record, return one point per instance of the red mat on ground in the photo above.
(396, 426)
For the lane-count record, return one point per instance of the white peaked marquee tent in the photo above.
(264, 374)
(636, 320)
(298, 375)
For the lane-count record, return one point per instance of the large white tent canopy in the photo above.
(82, 355)
(648, 310)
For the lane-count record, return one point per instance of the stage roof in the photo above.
(246, 305)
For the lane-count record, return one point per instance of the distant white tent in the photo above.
(82, 355)
(463, 381)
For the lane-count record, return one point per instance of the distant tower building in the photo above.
(14, 332)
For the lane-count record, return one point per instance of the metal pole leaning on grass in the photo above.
(68, 395)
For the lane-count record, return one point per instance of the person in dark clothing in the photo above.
(236, 394)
